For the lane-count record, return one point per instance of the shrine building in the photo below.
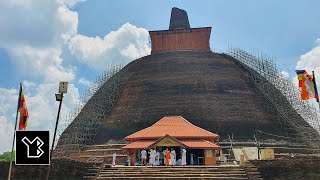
(177, 133)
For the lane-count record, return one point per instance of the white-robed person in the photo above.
(152, 160)
(158, 158)
(172, 161)
(143, 157)
(154, 155)
(149, 152)
(184, 157)
(191, 159)
(114, 156)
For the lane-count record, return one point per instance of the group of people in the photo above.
(169, 157)
(154, 157)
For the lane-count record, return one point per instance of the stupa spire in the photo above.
(179, 19)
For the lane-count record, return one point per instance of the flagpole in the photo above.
(315, 86)
(14, 137)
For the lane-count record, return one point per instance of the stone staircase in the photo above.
(252, 171)
(176, 172)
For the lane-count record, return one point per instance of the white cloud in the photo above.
(84, 82)
(35, 23)
(126, 44)
(310, 61)
(43, 62)
(317, 41)
(6, 134)
(33, 33)
(42, 108)
(8, 102)
(71, 3)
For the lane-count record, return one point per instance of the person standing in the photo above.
(191, 159)
(167, 156)
(158, 158)
(173, 157)
(149, 152)
(184, 157)
(152, 160)
(143, 157)
(114, 156)
(164, 157)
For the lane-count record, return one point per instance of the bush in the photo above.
(6, 157)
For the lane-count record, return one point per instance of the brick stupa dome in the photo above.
(184, 78)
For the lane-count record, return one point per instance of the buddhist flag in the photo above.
(22, 108)
(307, 85)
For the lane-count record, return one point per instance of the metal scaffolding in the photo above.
(298, 118)
(84, 121)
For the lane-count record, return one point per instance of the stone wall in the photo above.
(289, 168)
(60, 169)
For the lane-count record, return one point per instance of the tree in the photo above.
(5, 157)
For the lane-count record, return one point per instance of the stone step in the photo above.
(179, 170)
(176, 170)
(160, 172)
(89, 177)
(253, 173)
(105, 150)
(176, 177)
(130, 173)
(93, 169)
(100, 159)
(176, 167)
(90, 174)
(96, 153)
(105, 146)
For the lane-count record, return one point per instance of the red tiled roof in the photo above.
(139, 145)
(145, 144)
(175, 126)
(203, 144)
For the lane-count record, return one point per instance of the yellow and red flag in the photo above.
(23, 109)
(307, 85)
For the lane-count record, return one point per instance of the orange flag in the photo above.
(23, 109)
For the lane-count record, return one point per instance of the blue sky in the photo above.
(44, 42)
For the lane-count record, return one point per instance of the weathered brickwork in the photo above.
(181, 39)
(179, 19)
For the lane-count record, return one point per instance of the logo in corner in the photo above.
(32, 148)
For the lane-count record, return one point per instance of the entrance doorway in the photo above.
(198, 156)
